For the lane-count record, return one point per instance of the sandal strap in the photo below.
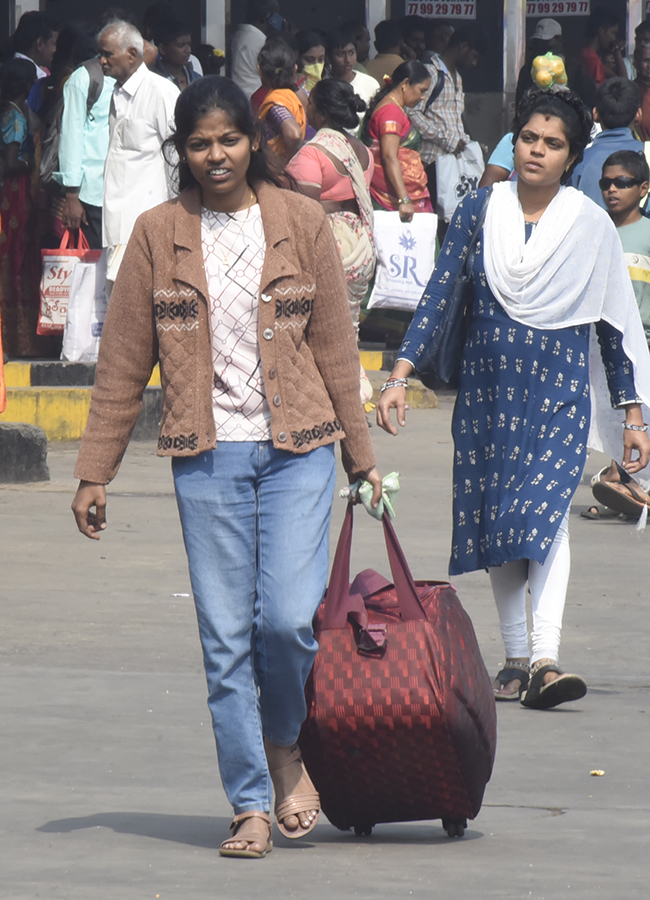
(240, 818)
(544, 666)
(297, 803)
(282, 762)
(516, 671)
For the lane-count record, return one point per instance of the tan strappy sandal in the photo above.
(294, 790)
(257, 830)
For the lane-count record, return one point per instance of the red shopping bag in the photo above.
(57, 277)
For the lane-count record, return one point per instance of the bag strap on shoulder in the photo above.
(435, 93)
(96, 76)
(480, 219)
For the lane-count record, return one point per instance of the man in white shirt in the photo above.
(136, 177)
(263, 19)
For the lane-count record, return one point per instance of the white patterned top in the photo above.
(234, 246)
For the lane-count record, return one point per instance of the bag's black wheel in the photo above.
(363, 830)
(454, 827)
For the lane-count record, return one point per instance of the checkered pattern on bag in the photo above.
(407, 737)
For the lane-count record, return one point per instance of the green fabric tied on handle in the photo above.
(362, 490)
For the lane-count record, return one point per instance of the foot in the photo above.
(549, 686)
(550, 676)
(297, 804)
(511, 689)
(251, 836)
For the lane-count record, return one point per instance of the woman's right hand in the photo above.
(90, 495)
(406, 211)
(394, 397)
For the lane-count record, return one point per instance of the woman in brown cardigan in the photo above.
(236, 288)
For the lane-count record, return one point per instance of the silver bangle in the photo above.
(394, 382)
(629, 427)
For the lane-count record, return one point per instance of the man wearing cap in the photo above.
(547, 38)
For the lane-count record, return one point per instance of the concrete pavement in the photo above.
(110, 786)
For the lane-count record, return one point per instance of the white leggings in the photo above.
(548, 583)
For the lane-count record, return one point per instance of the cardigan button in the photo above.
(273, 373)
(282, 436)
(267, 298)
(268, 334)
(277, 400)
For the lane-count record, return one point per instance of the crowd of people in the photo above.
(237, 216)
(91, 95)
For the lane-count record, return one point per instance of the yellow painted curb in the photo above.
(60, 412)
(18, 374)
(371, 360)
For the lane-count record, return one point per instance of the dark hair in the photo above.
(355, 26)
(409, 24)
(412, 71)
(32, 26)
(210, 63)
(277, 62)
(210, 94)
(168, 29)
(152, 15)
(338, 37)
(634, 163)
(617, 102)
(642, 29)
(337, 100)
(564, 105)
(387, 34)
(600, 18)
(259, 10)
(305, 40)
(469, 34)
(16, 78)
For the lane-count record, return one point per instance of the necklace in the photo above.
(239, 240)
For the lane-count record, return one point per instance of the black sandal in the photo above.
(545, 696)
(512, 671)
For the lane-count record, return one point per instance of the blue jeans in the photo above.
(256, 529)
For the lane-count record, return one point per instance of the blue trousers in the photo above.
(256, 529)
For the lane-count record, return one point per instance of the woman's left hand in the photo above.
(635, 440)
(406, 211)
(374, 478)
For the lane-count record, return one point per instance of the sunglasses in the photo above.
(623, 181)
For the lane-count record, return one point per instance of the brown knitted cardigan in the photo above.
(159, 312)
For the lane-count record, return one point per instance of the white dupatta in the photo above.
(570, 272)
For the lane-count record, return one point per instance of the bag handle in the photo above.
(67, 241)
(340, 600)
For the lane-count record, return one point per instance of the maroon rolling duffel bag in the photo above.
(401, 721)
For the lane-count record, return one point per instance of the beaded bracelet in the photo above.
(629, 427)
(394, 382)
(402, 200)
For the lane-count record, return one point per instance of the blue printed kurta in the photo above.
(522, 414)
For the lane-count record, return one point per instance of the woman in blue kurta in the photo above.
(547, 265)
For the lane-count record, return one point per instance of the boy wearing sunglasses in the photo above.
(624, 185)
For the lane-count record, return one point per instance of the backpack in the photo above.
(52, 123)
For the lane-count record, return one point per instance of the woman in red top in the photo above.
(399, 181)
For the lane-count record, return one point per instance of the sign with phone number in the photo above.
(441, 10)
(538, 8)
